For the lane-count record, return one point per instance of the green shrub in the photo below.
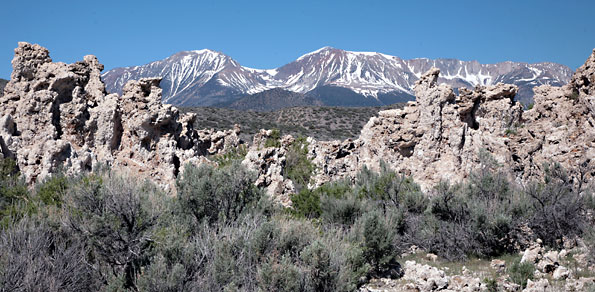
(216, 194)
(378, 249)
(491, 284)
(274, 140)
(161, 276)
(415, 201)
(15, 200)
(263, 241)
(344, 210)
(322, 275)
(279, 275)
(307, 203)
(389, 189)
(52, 190)
(521, 272)
(298, 168)
(228, 158)
(590, 243)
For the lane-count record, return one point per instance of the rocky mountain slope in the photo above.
(333, 76)
(274, 99)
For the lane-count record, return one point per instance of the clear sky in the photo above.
(268, 34)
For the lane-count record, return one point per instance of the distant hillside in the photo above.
(274, 99)
(320, 122)
(2, 84)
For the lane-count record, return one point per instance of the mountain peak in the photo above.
(325, 49)
(206, 77)
(204, 51)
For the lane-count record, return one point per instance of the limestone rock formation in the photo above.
(269, 163)
(441, 136)
(58, 116)
(421, 277)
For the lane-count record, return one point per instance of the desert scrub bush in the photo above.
(298, 167)
(321, 275)
(519, 272)
(498, 207)
(590, 243)
(274, 140)
(343, 210)
(445, 229)
(116, 217)
(279, 275)
(307, 202)
(388, 188)
(217, 195)
(378, 248)
(36, 257)
(556, 208)
(51, 191)
(477, 217)
(15, 199)
(491, 284)
(227, 158)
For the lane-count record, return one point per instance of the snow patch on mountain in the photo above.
(366, 73)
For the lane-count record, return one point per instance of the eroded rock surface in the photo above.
(269, 163)
(58, 116)
(441, 135)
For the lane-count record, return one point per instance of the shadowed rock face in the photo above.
(440, 136)
(58, 115)
(2, 85)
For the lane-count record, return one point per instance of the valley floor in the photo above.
(320, 122)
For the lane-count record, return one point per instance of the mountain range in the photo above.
(327, 76)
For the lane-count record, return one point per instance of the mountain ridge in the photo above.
(207, 77)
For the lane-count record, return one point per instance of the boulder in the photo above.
(498, 265)
(561, 273)
(537, 286)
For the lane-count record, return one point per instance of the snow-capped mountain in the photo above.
(334, 76)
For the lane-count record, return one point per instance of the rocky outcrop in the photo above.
(58, 116)
(426, 278)
(441, 136)
(269, 163)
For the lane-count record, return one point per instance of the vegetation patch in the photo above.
(298, 167)
(105, 231)
(319, 122)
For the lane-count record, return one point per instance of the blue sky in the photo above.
(268, 34)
